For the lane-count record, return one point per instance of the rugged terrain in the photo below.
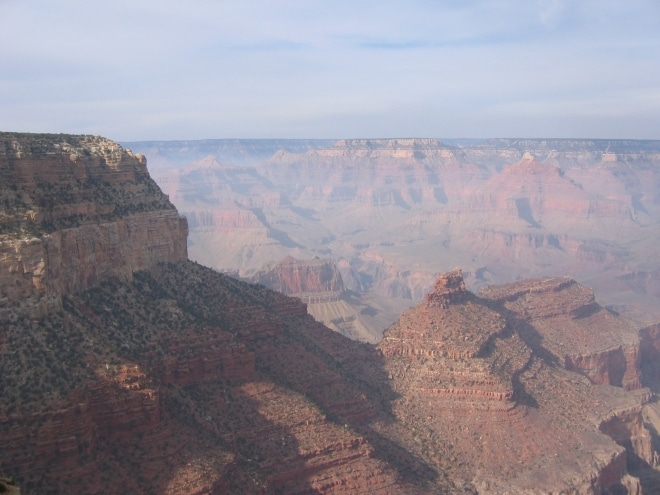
(157, 375)
(76, 210)
(486, 398)
(393, 213)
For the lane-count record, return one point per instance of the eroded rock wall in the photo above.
(178, 379)
(313, 281)
(560, 316)
(505, 399)
(78, 210)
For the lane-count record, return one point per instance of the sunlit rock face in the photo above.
(78, 210)
(511, 380)
(312, 280)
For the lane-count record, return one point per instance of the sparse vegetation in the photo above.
(53, 198)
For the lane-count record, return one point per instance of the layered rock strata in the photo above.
(78, 210)
(312, 281)
(319, 284)
(385, 209)
(178, 379)
(512, 414)
(106, 385)
(562, 317)
(197, 382)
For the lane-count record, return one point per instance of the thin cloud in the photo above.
(293, 68)
(551, 12)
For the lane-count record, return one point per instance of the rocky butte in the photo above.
(126, 367)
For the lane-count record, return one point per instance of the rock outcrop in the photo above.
(312, 281)
(185, 379)
(104, 383)
(449, 288)
(77, 211)
(488, 363)
(319, 284)
(562, 317)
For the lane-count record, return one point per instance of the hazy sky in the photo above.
(163, 69)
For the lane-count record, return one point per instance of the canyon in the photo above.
(392, 214)
(126, 366)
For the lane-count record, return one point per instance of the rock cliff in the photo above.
(312, 281)
(318, 283)
(111, 339)
(578, 332)
(184, 380)
(77, 210)
(512, 412)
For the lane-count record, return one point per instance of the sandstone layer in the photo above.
(484, 393)
(78, 210)
(565, 319)
(311, 281)
(319, 284)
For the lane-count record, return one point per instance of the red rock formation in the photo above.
(82, 210)
(178, 379)
(491, 375)
(530, 191)
(118, 406)
(448, 289)
(574, 328)
(197, 360)
(312, 281)
(258, 397)
(509, 209)
(626, 427)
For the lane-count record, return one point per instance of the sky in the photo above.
(134, 70)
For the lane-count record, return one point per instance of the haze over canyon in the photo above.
(391, 214)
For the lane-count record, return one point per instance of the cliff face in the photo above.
(111, 339)
(312, 281)
(576, 330)
(319, 284)
(77, 211)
